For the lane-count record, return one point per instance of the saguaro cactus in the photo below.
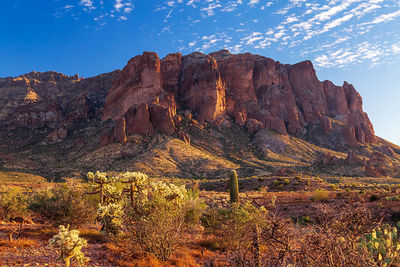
(234, 187)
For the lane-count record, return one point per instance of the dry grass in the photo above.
(19, 243)
(92, 235)
(320, 195)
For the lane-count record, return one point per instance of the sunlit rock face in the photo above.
(254, 91)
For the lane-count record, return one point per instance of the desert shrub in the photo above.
(302, 220)
(62, 206)
(13, 203)
(193, 210)
(276, 183)
(382, 245)
(237, 227)
(156, 220)
(320, 195)
(373, 198)
(70, 245)
(393, 198)
(335, 239)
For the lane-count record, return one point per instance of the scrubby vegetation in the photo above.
(136, 220)
(63, 205)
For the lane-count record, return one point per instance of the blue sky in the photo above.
(353, 40)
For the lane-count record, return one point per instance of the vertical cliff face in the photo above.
(251, 89)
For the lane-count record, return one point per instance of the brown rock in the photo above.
(184, 137)
(349, 135)
(372, 171)
(57, 135)
(326, 159)
(104, 140)
(353, 98)
(326, 125)
(202, 87)
(170, 71)
(237, 72)
(119, 132)
(308, 90)
(240, 116)
(253, 125)
(162, 113)
(354, 159)
(139, 82)
(284, 172)
(280, 102)
(138, 120)
(336, 99)
(271, 122)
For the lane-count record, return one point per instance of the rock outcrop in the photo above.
(254, 91)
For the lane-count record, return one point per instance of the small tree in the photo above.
(70, 245)
(234, 187)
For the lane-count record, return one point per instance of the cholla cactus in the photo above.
(383, 245)
(136, 181)
(110, 217)
(111, 194)
(169, 191)
(70, 245)
(101, 180)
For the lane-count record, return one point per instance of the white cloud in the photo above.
(396, 49)
(209, 11)
(127, 10)
(384, 18)
(118, 5)
(253, 2)
(87, 4)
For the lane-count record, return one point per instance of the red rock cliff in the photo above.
(251, 89)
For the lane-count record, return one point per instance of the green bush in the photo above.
(13, 203)
(63, 206)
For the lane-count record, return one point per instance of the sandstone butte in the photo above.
(257, 92)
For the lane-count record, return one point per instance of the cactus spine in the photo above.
(234, 187)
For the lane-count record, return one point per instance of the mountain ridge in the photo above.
(155, 111)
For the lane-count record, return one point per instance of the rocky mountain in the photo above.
(194, 116)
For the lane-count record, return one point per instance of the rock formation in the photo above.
(192, 116)
(255, 91)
